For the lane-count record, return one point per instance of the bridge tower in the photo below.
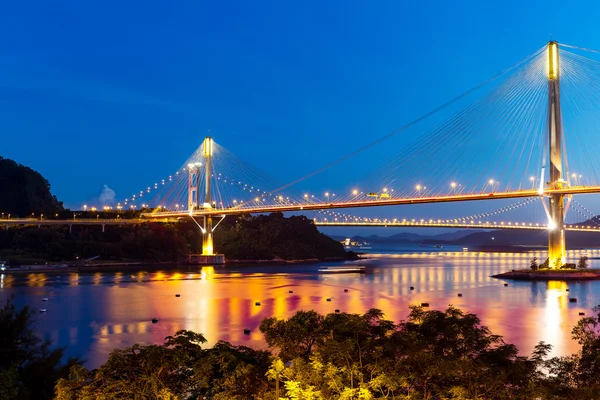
(556, 224)
(193, 185)
(207, 233)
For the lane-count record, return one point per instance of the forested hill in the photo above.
(24, 191)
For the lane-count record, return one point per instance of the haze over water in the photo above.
(94, 313)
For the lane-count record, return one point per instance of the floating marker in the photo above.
(345, 290)
(177, 295)
(329, 299)
(572, 300)
(155, 320)
(568, 290)
(506, 284)
(460, 295)
(412, 288)
(257, 303)
(246, 331)
(291, 291)
(337, 311)
(424, 304)
(581, 313)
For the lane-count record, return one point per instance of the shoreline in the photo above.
(140, 265)
(551, 275)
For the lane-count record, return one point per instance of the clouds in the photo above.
(107, 196)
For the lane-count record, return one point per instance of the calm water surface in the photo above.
(93, 313)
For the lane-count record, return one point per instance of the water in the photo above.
(93, 313)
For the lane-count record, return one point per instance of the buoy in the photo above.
(291, 291)
(329, 299)
(568, 290)
(572, 300)
(257, 303)
(506, 284)
(424, 304)
(345, 290)
(44, 299)
(581, 313)
(42, 310)
(412, 288)
(155, 320)
(178, 295)
(337, 311)
(460, 295)
(246, 331)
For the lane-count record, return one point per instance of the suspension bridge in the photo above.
(502, 140)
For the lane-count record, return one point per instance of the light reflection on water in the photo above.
(93, 313)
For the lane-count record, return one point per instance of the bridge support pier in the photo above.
(556, 232)
(207, 237)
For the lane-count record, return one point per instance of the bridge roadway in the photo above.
(389, 224)
(375, 203)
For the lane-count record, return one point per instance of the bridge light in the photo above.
(418, 187)
(551, 225)
(355, 192)
(552, 60)
(491, 181)
(208, 147)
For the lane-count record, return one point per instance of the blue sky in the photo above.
(120, 93)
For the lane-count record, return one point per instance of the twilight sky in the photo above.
(120, 93)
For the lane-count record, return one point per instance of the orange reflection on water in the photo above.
(117, 309)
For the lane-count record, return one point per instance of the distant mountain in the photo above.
(500, 238)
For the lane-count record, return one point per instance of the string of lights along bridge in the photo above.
(506, 138)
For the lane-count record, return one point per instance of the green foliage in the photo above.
(582, 262)
(29, 368)
(534, 264)
(431, 355)
(25, 191)
(178, 369)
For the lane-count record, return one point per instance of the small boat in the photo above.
(343, 270)
(42, 310)
(44, 299)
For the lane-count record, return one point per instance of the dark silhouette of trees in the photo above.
(25, 191)
(273, 236)
(29, 367)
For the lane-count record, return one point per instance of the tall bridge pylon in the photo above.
(556, 209)
(207, 233)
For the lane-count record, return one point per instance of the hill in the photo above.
(24, 191)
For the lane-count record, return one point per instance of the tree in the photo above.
(557, 264)
(582, 263)
(141, 372)
(533, 264)
(295, 337)
(29, 368)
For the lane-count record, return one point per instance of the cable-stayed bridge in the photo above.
(503, 139)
